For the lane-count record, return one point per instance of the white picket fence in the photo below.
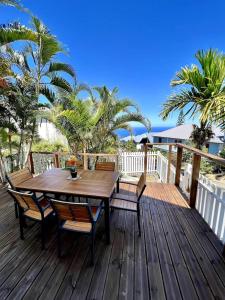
(132, 163)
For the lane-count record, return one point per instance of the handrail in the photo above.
(99, 154)
(213, 157)
(209, 156)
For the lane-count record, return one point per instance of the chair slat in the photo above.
(19, 176)
(105, 166)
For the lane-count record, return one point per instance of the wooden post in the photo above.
(85, 159)
(117, 162)
(169, 163)
(178, 166)
(145, 160)
(194, 179)
(57, 160)
(31, 163)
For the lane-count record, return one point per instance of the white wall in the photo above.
(48, 131)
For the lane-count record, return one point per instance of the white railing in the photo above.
(162, 169)
(132, 163)
(210, 203)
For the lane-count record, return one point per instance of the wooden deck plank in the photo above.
(183, 277)
(111, 288)
(201, 285)
(154, 269)
(214, 280)
(96, 289)
(169, 276)
(199, 230)
(177, 256)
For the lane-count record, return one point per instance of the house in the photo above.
(182, 133)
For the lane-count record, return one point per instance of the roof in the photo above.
(182, 132)
(138, 138)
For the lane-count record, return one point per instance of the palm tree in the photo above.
(91, 124)
(37, 64)
(115, 114)
(204, 93)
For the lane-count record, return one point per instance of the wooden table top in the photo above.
(96, 184)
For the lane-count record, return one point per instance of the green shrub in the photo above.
(45, 146)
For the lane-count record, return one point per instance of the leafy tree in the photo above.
(129, 146)
(181, 118)
(31, 73)
(46, 146)
(91, 124)
(203, 93)
(201, 134)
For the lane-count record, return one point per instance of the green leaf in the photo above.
(61, 83)
(61, 67)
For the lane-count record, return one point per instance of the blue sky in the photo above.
(135, 45)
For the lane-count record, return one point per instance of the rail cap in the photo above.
(209, 156)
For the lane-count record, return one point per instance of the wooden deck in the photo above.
(177, 257)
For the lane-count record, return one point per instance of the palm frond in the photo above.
(16, 32)
(61, 83)
(48, 93)
(61, 67)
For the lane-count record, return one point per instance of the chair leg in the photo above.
(16, 210)
(21, 226)
(59, 242)
(139, 225)
(92, 247)
(43, 234)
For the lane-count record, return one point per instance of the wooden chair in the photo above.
(105, 166)
(32, 208)
(130, 203)
(18, 177)
(76, 217)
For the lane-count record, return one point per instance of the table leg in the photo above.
(118, 186)
(107, 221)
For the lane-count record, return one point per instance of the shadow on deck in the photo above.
(177, 257)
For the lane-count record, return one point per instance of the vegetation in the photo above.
(203, 93)
(90, 124)
(181, 118)
(35, 84)
(46, 146)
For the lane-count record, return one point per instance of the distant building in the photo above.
(182, 133)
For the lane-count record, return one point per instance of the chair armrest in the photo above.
(128, 200)
(126, 182)
(124, 197)
(40, 197)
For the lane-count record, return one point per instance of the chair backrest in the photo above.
(24, 200)
(66, 211)
(141, 186)
(105, 166)
(18, 177)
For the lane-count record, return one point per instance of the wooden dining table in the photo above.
(90, 184)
